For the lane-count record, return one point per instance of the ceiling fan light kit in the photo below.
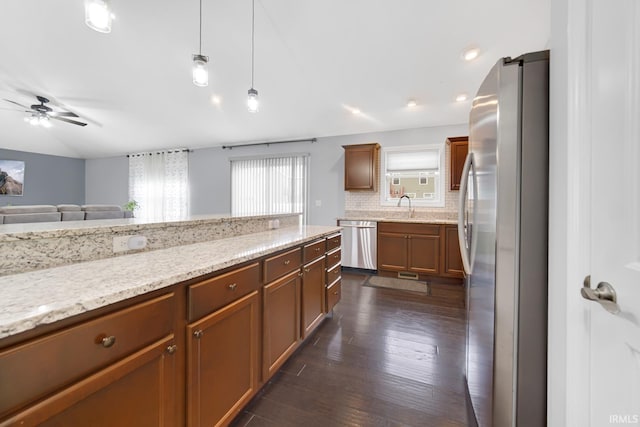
(97, 15)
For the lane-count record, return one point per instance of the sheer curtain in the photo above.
(270, 185)
(159, 182)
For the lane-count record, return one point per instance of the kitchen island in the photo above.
(184, 335)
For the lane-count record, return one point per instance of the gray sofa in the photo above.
(51, 213)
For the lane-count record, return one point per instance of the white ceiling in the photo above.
(314, 60)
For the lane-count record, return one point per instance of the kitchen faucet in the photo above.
(409, 199)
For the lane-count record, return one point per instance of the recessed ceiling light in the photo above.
(356, 111)
(462, 97)
(411, 103)
(216, 99)
(470, 54)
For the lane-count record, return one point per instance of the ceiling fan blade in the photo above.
(16, 103)
(63, 114)
(62, 119)
(13, 109)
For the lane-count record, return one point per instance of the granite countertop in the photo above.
(391, 219)
(45, 296)
(39, 230)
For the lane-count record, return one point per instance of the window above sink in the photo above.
(413, 171)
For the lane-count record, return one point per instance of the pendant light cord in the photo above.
(200, 46)
(253, 24)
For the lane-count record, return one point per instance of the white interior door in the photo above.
(614, 86)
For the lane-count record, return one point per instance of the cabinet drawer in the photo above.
(333, 258)
(37, 368)
(207, 296)
(409, 228)
(313, 250)
(282, 264)
(334, 293)
(334, 241)
(333, 273)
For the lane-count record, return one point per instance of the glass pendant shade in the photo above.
(97, 14)
(252, 101)
(200, 71)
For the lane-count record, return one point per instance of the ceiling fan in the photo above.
(40, 114)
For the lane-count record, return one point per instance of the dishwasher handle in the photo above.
(356, 226)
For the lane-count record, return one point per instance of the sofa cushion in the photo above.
(69, 208)
(72, 215)
(103, 214)
(27, 209)
(21, 218)
(99, 208)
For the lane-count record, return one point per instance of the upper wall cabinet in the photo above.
(361, 166)
(459, 147)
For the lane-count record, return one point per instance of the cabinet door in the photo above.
(424, 254)
(281, 314)
(451, 254)
(360, 163)
(222, 362)
(313, 294)
(139, 390)
(458, 154)
(392, 251)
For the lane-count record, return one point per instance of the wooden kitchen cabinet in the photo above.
(409, 247)
(361, 167)
(100, 372)
(459, 146)
(281, 321)
(451, 259)
(223, 362)
(313, 295)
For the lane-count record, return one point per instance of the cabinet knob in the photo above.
(233, 286)
(106, 341)
(197, 333)
(335, 292)
(287, 262)
(172, 349)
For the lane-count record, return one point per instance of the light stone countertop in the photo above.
(39, 230)
(409, 220)
(45, 296)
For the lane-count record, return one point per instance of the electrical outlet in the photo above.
(127, 243)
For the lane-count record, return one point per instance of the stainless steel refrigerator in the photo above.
(502, 225)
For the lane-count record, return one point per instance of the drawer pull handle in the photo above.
(287, 262)
(233, 286)
(197, 333)
(335, 292)
(317, 249)
(306, 270)
(172, 349)
(336, 256)
(108, 341)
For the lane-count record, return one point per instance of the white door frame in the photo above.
(569, 216)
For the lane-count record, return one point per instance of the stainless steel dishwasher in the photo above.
(359, 244)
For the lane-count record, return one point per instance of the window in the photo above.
(415, 172)
(159, 182)
(270, 185)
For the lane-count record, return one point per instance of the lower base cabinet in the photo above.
(281, 314)
(313, 295)
(222, 362)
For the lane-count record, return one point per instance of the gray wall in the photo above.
(48, 180)
(107, 180)
(209, 173)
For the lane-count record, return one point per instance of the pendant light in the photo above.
(97, 15)
(200, 71)
(252, 100)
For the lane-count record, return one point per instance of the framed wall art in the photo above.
(11, 177)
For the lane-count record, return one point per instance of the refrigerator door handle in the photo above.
(467, 254)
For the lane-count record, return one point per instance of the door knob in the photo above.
(603, 293)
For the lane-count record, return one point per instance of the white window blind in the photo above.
(159, 182)
(269, 185)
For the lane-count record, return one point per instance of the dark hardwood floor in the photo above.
(385, 358)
